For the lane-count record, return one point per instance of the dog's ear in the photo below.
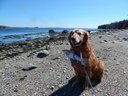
(86, 37)
(69, 36)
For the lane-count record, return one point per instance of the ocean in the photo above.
(10, 35)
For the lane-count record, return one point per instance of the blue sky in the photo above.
(62, 13)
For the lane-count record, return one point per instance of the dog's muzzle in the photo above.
(74, 42)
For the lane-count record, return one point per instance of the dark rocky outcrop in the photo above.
(65, 32)
(52, 33)
(116, 25)
(1, 27)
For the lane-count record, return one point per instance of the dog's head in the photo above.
(78, 37)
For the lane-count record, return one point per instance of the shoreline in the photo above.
(8, 50)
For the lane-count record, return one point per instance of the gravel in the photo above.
(54, 75)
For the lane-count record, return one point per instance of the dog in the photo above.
(80, 45)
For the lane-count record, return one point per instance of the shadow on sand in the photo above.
(68, 90)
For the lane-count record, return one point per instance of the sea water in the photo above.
(10, 35)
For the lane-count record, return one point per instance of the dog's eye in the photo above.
(79, 33)
(71, 33)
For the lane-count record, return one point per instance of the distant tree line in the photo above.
(1, 26)
(116, 25)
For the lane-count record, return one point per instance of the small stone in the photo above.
(29, 67)
(51, 69)
(52, 88)
(15, 90)
(100, 36)
(58, 77)
(56, 58)
(126, 89)
(125, 39)
(64, 71)
(118, 38)
(99, 90)
(124, 72)
(101, 42)
(42, 54)
(60, 85)
(67, 43)
(106, 70)
(67, 77)
(85, 94)
(1, 71)
(21, 79)
(117, 63)
(113, 42)
(105, 40)
(114, 59)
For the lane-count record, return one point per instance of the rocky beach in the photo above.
(39, 67)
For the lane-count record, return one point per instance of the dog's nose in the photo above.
(73, 40)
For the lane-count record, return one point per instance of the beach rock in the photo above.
(21, 79)
(15, 90)
(60, 85)
(125, 39)
(101, 41)
(100, 36)
(56, 58)
(117, 63)
(64, 32)
(52, 33)
(52, 88)
(105, 40)
(99, 90)
(29, 67)
(42, 54)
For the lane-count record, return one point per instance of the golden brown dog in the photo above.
(80, 46)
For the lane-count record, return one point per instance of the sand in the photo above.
(53, 74)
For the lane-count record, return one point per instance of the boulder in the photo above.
(52, 33)
(65, 32)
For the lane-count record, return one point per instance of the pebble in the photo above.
(67, 43)
(100, 36)
(56, 58)
(106, 70)
(51, 69)
(52, 88)
(124, 72)
(28, 67)
(126, 89)
(64, 71)
(125, 39)
(101, 42)
(21, 79)
(99, 89)
(114, 59)
(1, 71)
(42, 54)
(113, 42)
(117, 63)
(60, 85)
(105, 40)
(67, 77)
(15, 90)
(85, 94)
